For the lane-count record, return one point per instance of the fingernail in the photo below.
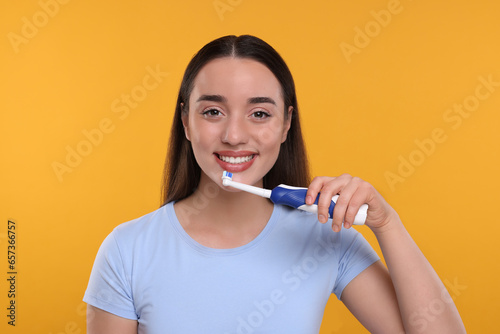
(322, 219)
(336, 228)
(309, 199)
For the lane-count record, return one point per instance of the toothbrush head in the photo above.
(226, 178)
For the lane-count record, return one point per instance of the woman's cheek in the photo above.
(270, 134)
(205, 134)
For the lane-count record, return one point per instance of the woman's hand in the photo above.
(353, 192)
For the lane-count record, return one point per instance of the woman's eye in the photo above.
(260, 114)
(212, 112)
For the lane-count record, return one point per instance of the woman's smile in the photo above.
(235, 161)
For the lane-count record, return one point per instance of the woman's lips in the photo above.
(235, 161)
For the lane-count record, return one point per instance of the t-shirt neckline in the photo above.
(222, 251)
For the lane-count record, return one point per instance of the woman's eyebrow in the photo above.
(251, 100)
(261, 99)
(212, 98)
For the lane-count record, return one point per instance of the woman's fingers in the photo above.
(353, 192)
(315, 187)
(327, 187)
(359, 197)
(344, 203)
(318, 185)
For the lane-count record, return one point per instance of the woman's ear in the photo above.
(288, 123)
(185, 122)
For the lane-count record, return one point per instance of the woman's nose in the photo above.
(235, 132)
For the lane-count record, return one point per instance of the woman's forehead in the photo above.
(236, 77)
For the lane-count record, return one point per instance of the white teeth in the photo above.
(237, 160)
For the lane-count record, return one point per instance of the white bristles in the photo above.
(227, 178)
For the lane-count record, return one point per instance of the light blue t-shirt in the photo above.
(151, 270)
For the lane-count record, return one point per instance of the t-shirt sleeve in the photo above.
(109, 285)
(356, 254)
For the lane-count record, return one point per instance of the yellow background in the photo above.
(362, 111)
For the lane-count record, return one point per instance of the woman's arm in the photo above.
(409, 297)
(371, 298)
(412, 288)
(102, 322)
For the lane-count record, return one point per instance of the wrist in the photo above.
(391, 224)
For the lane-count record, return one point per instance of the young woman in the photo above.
(217, 260)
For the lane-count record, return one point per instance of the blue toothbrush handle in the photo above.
(296, 198)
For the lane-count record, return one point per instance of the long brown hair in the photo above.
(182, 173)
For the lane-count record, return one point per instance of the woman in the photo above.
(217, 260)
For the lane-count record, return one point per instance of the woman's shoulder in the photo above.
(148, 224)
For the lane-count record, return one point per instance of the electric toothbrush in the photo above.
(291, 196)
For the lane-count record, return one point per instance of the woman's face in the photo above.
(236, 119)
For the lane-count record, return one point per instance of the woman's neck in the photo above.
(219, 218)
